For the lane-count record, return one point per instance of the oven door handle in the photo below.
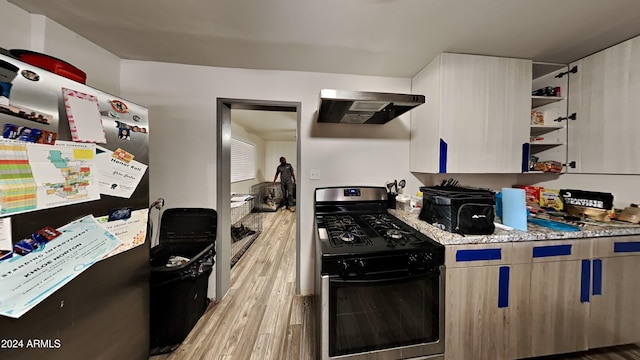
(383, 279)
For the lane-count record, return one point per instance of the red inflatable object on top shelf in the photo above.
(50, 63)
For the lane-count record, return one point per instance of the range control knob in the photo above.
(352, 267)
(419, 261)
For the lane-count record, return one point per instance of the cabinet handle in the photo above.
(478, 255)
(626, 247)
(551, 250)
(585, 281)
(573, 70)
(570, 117)
(503, 287)
(597, 277)
(443, 157)
(526, 149)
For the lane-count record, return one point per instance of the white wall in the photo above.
(15, 27)
(22, 30)
(276, 149)
(181, 96)
(102, 67)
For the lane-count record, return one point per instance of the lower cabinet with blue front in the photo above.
(535, 298)
(558, 310)
(615, 294)
(487, 294)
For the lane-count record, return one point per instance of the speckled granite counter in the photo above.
(533, 233)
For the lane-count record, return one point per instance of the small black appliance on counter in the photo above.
(459, 209)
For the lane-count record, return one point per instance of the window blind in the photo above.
(243, 162)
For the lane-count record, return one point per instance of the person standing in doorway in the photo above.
(287, 180)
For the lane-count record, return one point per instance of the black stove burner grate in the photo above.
(348, 239)
(392, 230)
(339, 221)
(344, 231)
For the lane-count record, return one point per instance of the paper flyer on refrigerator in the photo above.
(6, 242)
(83, 112)
(118, 174)
(28, 280)
(64, 173)
(131, 232)
(37, 176)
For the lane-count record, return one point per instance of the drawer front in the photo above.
(459, 256)
(559, 250)
(616, 246)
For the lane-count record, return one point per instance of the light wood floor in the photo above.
(627, 352)
(261, 317)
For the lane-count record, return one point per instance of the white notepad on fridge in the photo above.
(83, 112)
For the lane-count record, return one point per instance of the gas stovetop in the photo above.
(356, 234)
(369, 232)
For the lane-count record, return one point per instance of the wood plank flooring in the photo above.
(626, 352)
(261, 318)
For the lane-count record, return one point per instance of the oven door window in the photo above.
(374, 314)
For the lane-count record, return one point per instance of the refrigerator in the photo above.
(102, 312)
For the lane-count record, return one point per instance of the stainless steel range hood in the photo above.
(362, 107)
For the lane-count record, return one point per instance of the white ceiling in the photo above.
(368, 37)
(393, 38)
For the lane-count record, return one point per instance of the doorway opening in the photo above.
(264, 130)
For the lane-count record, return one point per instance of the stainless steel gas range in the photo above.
(379, 283)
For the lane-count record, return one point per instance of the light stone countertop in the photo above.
(534, 232)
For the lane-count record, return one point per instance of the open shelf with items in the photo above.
(548, 128)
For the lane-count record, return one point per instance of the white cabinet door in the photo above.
(615, 297)
(487, 300)
(475, 119)
(559, 308)
(560, 319)
(605, 94)
(615, 307)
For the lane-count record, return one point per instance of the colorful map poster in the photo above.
(39, 176)
(64, 173)
(28, 280)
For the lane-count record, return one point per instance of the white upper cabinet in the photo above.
(476, 115)
(605, 95)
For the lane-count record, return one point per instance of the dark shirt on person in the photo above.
(285, 170)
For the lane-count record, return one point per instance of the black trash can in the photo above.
(180, 267)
